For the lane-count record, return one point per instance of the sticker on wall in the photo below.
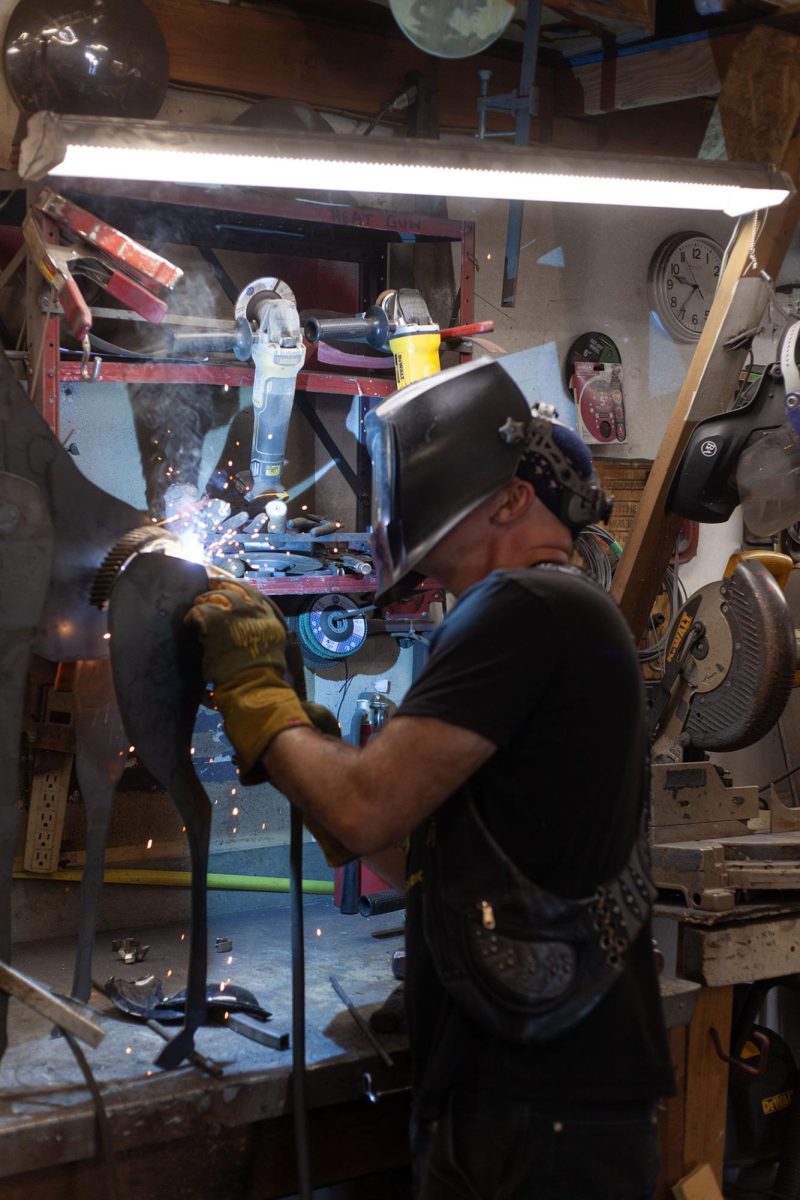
(594, 377)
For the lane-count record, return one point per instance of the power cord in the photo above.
(780, 779)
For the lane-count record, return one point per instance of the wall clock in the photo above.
(681, 281)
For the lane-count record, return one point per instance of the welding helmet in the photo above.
(749, 455)
(442, 446)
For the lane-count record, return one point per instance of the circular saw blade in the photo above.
(745, 662)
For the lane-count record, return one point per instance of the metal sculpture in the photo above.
(57, 530)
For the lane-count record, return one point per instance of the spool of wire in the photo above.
(600, 552)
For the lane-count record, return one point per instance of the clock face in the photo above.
(683, 276)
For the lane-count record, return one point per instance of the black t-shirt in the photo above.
(541, 662)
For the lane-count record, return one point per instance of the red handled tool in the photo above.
(125, 269)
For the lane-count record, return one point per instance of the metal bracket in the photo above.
(522, 104)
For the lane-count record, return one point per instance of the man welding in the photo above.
(516, 772)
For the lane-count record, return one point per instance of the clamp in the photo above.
(125, 269)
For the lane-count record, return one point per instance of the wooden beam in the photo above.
(641, 13)
(706, 1082)
(756, 247)
(328, 64)
(636, 78)
(709, 380)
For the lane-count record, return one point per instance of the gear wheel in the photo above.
(143, 539)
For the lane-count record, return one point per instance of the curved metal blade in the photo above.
(155, 661)
(744, 679)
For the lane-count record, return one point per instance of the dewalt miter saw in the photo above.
(729, 668)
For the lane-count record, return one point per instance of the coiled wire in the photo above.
(600, 552)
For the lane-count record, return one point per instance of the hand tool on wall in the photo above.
(400, 324)
(266, 329)
(128, 271)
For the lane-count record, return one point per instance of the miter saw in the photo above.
(730, 666)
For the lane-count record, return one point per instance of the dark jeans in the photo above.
(487, 1146)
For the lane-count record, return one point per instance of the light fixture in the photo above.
(152, 151)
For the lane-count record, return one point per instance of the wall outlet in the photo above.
(46, 816)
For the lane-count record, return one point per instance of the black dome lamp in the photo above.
(102, 58)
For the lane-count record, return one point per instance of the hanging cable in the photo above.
(600, 552)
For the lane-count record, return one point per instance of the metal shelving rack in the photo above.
(215, 219)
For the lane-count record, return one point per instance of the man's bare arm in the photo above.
(372, 798)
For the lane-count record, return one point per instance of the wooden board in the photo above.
(675, 71)
(699, 1184)
(710, 379)
(740, 952)
(624, 479)
(326, 63)
(759, 105)
(672, 1118)
(706, 1082)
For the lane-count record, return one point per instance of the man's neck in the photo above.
(465, 574)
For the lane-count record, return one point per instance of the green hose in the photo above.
(228, 883)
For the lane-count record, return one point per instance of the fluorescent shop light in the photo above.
(155, 151)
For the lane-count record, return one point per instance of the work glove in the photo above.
(244, 656)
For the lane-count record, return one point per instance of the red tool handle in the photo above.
(464, 331)
(76, 310)
(135, 297)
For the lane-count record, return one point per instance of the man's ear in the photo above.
(515, 501)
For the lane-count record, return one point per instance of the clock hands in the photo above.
(693, 285)
(694, 281)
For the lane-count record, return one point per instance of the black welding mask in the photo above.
(749, 455)
(442, 446)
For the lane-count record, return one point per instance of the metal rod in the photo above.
(521, 138)
(359, 1020)
(275, 1041)
(52, 1008)
(198, 1060)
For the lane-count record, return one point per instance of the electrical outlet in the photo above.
(46, 817)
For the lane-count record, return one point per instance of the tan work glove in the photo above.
(244, 656)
